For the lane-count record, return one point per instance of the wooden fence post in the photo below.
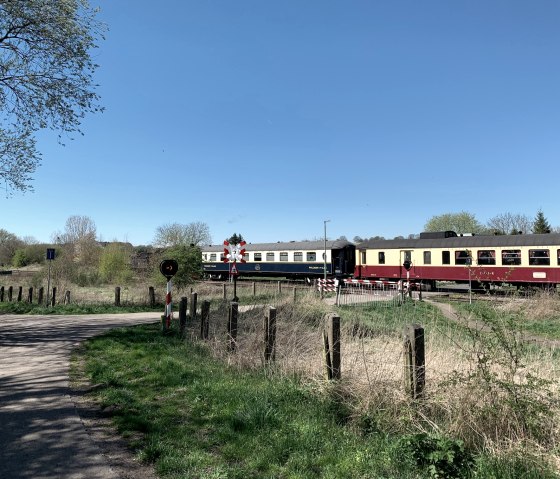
(225, 291)
(67, 297)
(20, 294)
(295, 295)
(331, 339)
(53, 298)
(30, 295)
(10, 293)
(1, 294)
(270, 335)
(204, 319)
(232, 326)
(194, 305)
(414, 360)
(117, 296)
(152, 296)
(183, 316)
(279, 287)
(254, 288)
(41, 295)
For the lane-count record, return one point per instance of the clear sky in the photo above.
(265, 118)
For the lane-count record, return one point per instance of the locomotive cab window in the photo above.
(381, 257)
(298, 256)
(486, 257)
(283, 256)
(257, 257)
(511, 257)
(270, 256)
(539, 257)
(445, 257)
(427, 257)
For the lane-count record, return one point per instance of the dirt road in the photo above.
(41, 433)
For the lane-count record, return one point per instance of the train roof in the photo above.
(285, 246)
(475, 241)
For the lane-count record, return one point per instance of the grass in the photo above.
(193, 410)
(75, 308)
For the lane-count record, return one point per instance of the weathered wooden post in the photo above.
(41, 295)
(117, 296)
(1, 294)
(232, 326)
(270, 335)
(53, 298)
(295, 295)
(225, 291)
(183, 316)
(414, 360)
(20, 294)
(254, 288)
(67, 297)
(152, 296)
(30, 295)
(331, 339)
(204, 319)
(279, 287)
(194, 305)
(10, 293)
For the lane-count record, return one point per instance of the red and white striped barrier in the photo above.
(328, 285)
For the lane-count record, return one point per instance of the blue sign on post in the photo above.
(50, 253)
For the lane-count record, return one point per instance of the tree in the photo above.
(80, 237)
(114, 263)
(235, 239)
(461, 223)
(9, 244)
(541, 224)
(189, 259)
(508, 223)
(46, 77)
(175, 234)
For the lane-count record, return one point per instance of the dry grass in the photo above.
(493, 406)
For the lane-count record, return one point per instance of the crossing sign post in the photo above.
(169, 268)
(233, 254)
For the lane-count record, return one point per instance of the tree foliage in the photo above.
(114, 263)
(541, 224)
(176, 234)
(189, 259)
(235, 239)
(461, 223)
(46, 77)
(509, 223)
(9, 244)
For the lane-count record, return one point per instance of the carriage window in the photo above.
(558, 255)
(270, 256)
(204, 256)
(487, 257)
(427, 257)
(381, 256)
(539, 257)
(283, 256)
(511, 257)
(213, 257)
(311, 256)
(298, 256)
(222, 256)
(407, 256)
(363, 257)
(462, 257)
(446, 257)
(257, 257)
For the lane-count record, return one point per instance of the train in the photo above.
(292, 260)
(522, 260)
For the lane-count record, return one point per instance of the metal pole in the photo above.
(325, 252)
(49, 282)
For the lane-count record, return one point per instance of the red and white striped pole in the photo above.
(168, 306)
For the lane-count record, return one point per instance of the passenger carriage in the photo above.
(532, 259)
(303, 259)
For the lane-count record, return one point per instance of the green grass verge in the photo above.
(29, 308)
(192, 416)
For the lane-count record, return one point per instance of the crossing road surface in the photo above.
(41, 434)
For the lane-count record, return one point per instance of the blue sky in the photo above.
(267, 118)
